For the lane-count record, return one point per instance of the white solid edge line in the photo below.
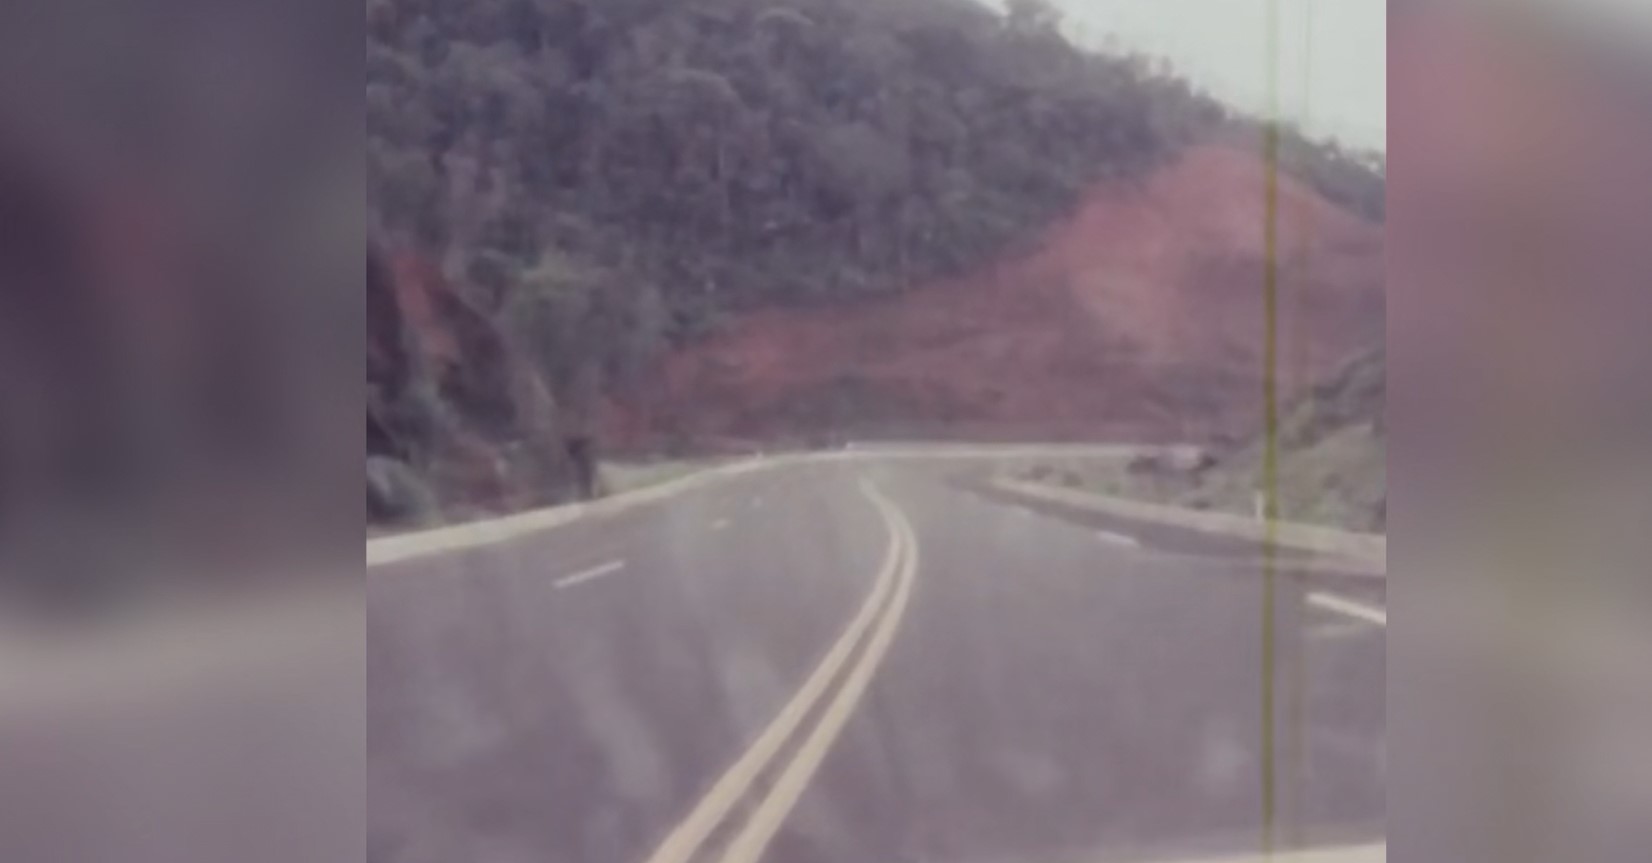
(591, 574)
(753, 840)
(387, 550)
(1361, 611)
(684, 840)
(1344, 854)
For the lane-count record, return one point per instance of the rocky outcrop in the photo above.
(458, 422)
(1333, 455)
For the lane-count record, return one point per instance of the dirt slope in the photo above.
(1141, 315)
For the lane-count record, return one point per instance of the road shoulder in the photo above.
(1366, 553)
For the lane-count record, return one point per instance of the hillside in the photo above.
(685, 160)
(1138, 318)
(615, 190)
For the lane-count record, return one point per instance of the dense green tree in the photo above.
(616, 175)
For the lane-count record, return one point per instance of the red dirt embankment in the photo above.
(1139, 316)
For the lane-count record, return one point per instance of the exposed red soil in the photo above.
(1140, 316)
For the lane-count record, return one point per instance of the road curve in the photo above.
(856, 658)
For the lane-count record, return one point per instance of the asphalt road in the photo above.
(857, 661)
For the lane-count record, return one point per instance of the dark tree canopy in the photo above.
(620, 175)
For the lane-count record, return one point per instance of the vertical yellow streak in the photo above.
(1270, 423)
(1296, 723)
(1301, 357)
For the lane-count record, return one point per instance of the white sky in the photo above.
(1333, 54)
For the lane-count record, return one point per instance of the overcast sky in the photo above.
(1333, 57)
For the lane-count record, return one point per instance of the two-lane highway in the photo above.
(853, 659)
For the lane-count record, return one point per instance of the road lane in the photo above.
(752, 842)
(1054, 696)
(1049, 694)
(688, 837)
(510, 718)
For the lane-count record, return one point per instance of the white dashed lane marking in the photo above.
(591, 574)
(1118, 539)
(1349, 608)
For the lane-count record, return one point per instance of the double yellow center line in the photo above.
(839, 681)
